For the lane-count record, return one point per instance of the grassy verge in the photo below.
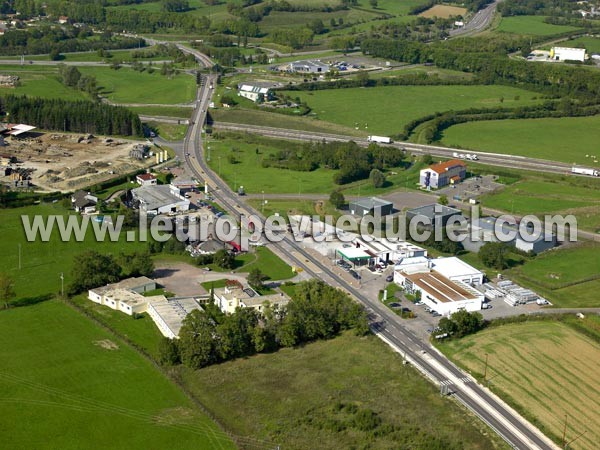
(297, 397)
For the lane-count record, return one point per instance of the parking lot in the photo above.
(471, 188)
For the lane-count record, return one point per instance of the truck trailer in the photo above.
(379, 139)
(584, 171)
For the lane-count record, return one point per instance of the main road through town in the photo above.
(514, 429)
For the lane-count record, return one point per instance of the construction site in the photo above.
(67, 162)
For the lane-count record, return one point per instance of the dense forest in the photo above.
(82, 116)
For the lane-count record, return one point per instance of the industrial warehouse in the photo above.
(442, 284)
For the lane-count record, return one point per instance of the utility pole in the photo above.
(573, 440)
(62, 284)
(486, 366)
(564, 436)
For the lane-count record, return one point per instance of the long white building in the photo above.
(444, 284)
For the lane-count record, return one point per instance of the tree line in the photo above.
(473, 57)
(45, 39)
(92, 269)
(82, 116)
(316, 311)
(350, 160)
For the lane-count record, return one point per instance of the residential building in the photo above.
(435, 214)
(438, 292)
(443, 174)
(124, 296)
(146, 179)
(160, 199)
(84, 202)
(256, 91)
(168, 314)
(235, 296)
(371, 205)
(567, 54)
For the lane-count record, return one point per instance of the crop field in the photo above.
(278, 19)
(70, 384)
(39, 81)
(307, 395)
(444, 11)
(546, 368)
(43, 262)
(128, 86)
(197, 7)
(385, 110)
(531, 25)
(566, 139)
(544, 197)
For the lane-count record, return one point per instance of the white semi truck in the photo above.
(379, 139)
(584, 171)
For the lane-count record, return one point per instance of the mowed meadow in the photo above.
(546, 368)
(66, 383)
(566, 139)
(387, 109)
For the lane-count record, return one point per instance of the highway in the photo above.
(479, 22)
(503, 420)
(492, 159)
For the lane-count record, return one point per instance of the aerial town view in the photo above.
(300, 224)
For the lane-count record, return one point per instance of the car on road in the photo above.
(389, 278)
(436, 314)
(420, 304)
(394, 305)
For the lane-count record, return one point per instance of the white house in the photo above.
(146, 179)
(125, 296)
(231, 297)
(84, 202)
(567, 54)
(255, 91)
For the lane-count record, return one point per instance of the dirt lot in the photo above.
(66, 162)
(444, 11)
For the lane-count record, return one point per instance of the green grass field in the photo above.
(568, 277)
(545, 368)
(545, 197)
(128, 86)
(43, 262)
(70, 384)
(248, 170)
(39, 81)
(566, 139)
(141, 330)
(270, 265)
(257, 117)
(531, 25)
(591, 44)
(385, 110)
(293, 398)
(169, 131)
(164, 111)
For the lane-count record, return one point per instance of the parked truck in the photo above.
(584, 171)
(379, 139)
